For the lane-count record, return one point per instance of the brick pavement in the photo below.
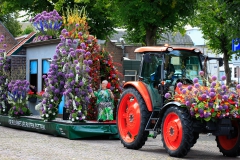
(23, 145)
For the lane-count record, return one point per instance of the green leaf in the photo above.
(207, 119)
(197, 115)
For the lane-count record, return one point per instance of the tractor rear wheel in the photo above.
(177, 131)
(230, 146)
(132, 117)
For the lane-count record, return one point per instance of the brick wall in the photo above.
(18, 66)
(9, 39)
(117, 54)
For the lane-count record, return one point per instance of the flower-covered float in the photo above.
(77, 67)
(211, 102)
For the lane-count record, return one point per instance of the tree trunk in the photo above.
(226, 67)
(151, 36)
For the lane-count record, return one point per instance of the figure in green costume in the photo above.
(104, 102)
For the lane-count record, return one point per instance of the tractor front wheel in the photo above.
(230, 146)
(132, 117)
(177, 131)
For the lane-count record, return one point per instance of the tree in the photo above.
(28, 30)
(212, 18)
(233, 8)
(11, 23)
(99, 12)
(146, 20)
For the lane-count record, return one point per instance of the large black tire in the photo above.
(177, 131)
(230, 147)
(132, 117)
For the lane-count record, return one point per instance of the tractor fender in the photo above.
(167, 105)
(142, 89)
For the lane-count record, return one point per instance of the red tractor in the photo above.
(142, 106)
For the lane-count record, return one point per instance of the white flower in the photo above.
(53, 113)
(74, 105)
(83, 117)
(3, 104)
(3, 109)
(37, 107)
(83, 80)
(72, 119)
(52, 100)
(47, 115)
(76, 78)
(77, 118)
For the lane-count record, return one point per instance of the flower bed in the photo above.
(211, 102)
(17, 97)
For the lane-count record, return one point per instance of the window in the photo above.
(33, 72)
(139, 56)
(130, 75)
(235, 72)
(45, 69)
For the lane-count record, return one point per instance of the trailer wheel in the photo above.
(177, 131)
(230, 147)
(132, 117)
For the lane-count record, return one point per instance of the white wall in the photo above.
(39, 53)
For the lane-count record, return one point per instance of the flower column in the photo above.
(4, 77)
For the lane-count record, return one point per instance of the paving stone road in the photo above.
(22, 145)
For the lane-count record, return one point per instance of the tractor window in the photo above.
(187, 64)
(151, 67)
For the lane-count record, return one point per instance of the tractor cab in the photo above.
(163, 67)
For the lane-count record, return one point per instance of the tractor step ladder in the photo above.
(153, 127)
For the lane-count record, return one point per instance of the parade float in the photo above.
(76, 69)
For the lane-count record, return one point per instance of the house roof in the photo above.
(169, 38)
(20, 44)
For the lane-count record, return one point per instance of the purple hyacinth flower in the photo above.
(200, 111)
(167, 95)
(204, 96)
(224, 87)
(238, 86)
(212, 94)
(213, 84)
(189, 87)
(196, 85)
(224, 78)
(179, 85)
(214, 78)
(195, 80)
(187, 103)
(212, 90)
(90, 62)
(201, 73)
(225, 107)
(225, 97)
(184, 91)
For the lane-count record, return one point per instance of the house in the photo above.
(9, 39)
